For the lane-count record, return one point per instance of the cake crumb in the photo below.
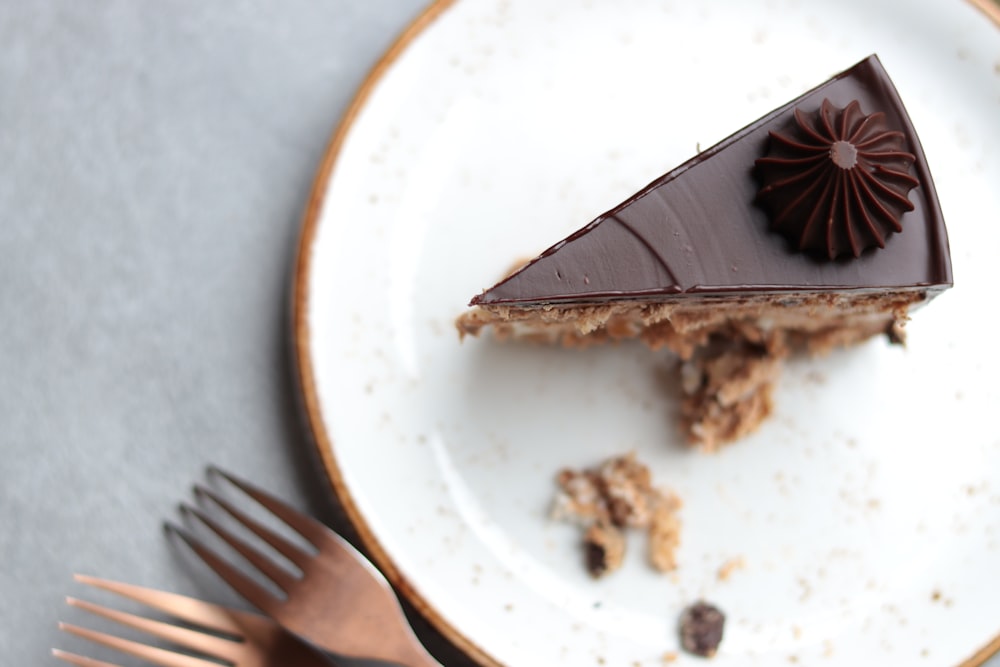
(806, 589)
(604, 548)
(669, 657)
(726, 569)
(665, 533)
(615, 496)
(727, 393)
(701, 628)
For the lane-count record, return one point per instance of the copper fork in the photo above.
(337, 599)
(242, 639)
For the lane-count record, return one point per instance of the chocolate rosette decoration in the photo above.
(836, 182)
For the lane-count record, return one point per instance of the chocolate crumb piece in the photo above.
(620, 511)
(701, 629)
(604, 547)
(597, 564)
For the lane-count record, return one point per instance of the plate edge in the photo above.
(302, 351)
(991, 8)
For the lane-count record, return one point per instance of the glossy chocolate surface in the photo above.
(696, 230)
(837, 181)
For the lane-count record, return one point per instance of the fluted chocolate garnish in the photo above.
(836, 181)
(696, 231)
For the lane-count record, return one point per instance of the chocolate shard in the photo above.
(696, 230)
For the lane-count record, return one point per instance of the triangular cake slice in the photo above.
(818, 225)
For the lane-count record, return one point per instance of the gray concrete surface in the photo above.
(155, 159)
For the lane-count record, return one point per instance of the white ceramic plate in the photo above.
(866, 512)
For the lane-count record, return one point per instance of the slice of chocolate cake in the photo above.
(816, 226)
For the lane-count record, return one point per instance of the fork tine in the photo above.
(271, 570)
(204, 614)
(256, 594)
(79, 660)
(307, 527)
(193, 639)
(157, 656)
(283, 546)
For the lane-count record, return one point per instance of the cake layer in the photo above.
(808, 322)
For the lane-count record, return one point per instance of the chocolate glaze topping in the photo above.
(836, 181)
(696, 231)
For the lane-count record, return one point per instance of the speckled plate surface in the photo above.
(866, 513)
